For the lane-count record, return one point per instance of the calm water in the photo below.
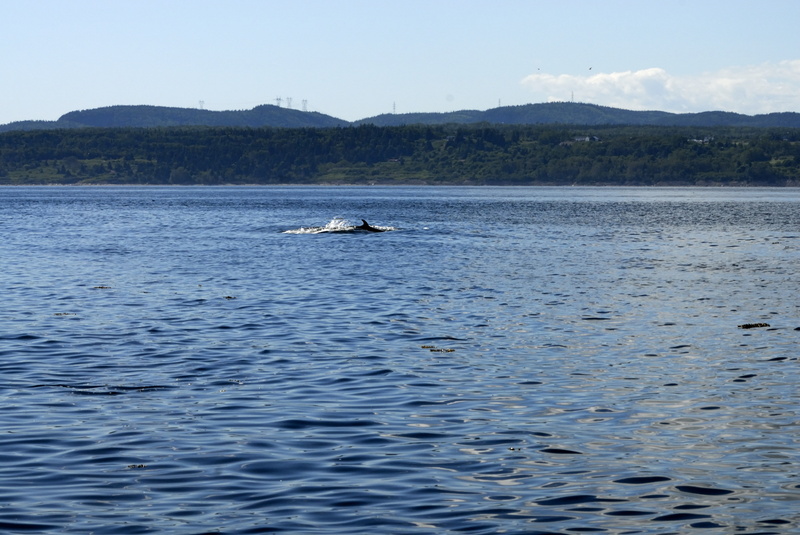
(507, 361)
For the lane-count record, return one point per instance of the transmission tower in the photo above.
(305, 105)
(289, 102)
(278, 101)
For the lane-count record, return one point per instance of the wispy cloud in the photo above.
(753, 89)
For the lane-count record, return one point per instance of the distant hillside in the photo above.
(25, 126)
(564, 113)
(575, 113)
(159, 116)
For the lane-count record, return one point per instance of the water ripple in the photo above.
(581, 371)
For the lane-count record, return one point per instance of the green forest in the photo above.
(479, 154)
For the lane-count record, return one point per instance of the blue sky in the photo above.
(359, 58)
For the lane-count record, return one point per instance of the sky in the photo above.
(354, 59)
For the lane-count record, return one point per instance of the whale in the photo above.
(369, 228)
(339, 225)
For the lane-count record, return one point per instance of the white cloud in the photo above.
(753, 89)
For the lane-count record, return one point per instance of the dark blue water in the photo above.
(507, 361)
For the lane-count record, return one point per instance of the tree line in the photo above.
(481, 154)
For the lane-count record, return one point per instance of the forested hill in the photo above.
(416, 154)
(576, 113)
(158, 116)
(566, 113)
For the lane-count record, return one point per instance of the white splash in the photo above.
(337, 224)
